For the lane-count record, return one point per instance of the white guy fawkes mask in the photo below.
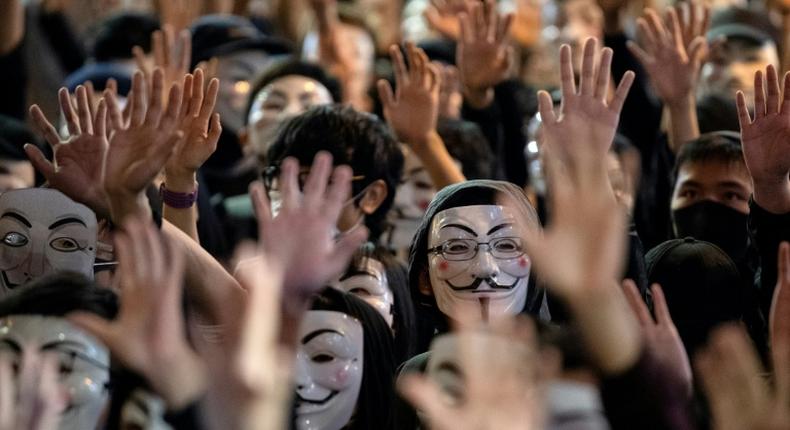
(43, 231)
(329, 366)
(84, 362)
(368, 281)
(476, 263)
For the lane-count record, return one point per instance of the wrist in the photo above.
(681, 104)
(184, 383)
(479, 98)
(181, 182)
(124, 205)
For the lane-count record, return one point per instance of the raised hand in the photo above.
(200, 128)
(739, 398)
(672, 61)
(78, 168)
(766, 140)
(413, 110)
(442, 16)
(300, 237)
(586, 115)
(139, 149)
(31, 399)
(149, 335)
(501, 390)
(482, 53)
(661, 335)
(171, 55)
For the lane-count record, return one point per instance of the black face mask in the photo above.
(716, 223)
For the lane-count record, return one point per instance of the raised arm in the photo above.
(672, 54)
(413, 111)
(12, 25)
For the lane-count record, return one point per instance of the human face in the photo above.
(235, 71)
(368, 281)
(725, 183)
(329, 365)
(84, 362)
(416, 189)
(732, 66)
(282, 99)
(43, 231)
(490, 283)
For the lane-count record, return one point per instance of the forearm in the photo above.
(433, 154)
(207, 282)
(608, 328)
(124, 206)
(12, 25)
(183, 218)
(683, 123)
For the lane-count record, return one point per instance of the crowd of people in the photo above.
(394, 214)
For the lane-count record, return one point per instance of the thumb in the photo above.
(39, 161)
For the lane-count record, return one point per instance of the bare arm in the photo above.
(12, 25)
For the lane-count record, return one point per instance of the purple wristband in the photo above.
(178, 200)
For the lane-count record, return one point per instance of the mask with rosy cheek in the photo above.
(84, 363)
(43, 231)
(329, 365)
(476, 264)
(368, 281)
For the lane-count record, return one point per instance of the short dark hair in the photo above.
(354, 138)
(376, 395)
(295, 67)
(719, 146)
(57, 295)
(122, 32)
(466, 143)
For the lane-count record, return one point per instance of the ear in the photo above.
(374, 196)
(424, 283)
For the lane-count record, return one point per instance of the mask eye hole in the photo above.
(15, 239)
(65, 244)
(322, 358)
(359, 291)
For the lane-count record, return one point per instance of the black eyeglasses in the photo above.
(503, 248)
(271, 175)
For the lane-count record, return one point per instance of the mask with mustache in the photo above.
(476, 264)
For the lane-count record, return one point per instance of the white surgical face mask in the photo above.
(488, 283)
(276, 204)
(368, 281)
(43, 231)
(329, 365)
(84, 362)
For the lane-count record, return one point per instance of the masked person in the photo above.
(43, 231)
(345, 369)
(359, 140)
(379, 279)
(32, 320)
(710, 200)
(468, 260)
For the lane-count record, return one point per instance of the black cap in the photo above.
(701, 283)
(120, 33)
(217, 35)
(742, 23)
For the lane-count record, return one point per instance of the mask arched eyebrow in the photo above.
(11, 344)
(65, 221)
(460, 227)
(18, 217)
(317, 333)
(498, 227)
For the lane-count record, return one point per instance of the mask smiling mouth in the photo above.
(319, 402)
(473, 287)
